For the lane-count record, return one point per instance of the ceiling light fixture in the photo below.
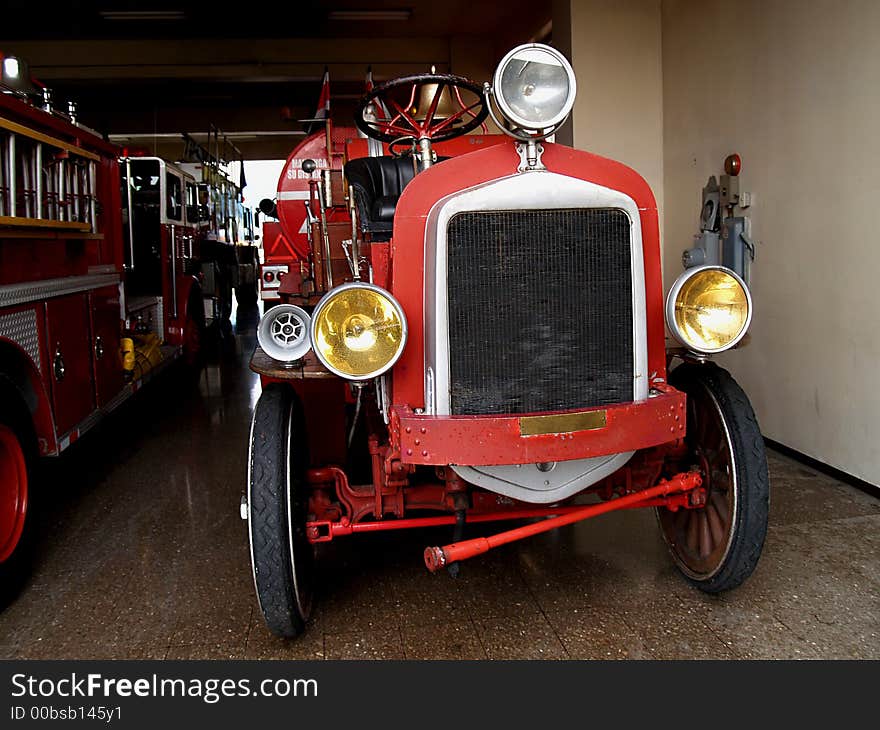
(142, 14)
(357, 15)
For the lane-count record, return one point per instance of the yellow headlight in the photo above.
(709, 309)
(358, 331)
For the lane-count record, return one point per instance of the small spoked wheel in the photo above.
(283, 332)
(282, 558)
(717, 546)
(287, 329)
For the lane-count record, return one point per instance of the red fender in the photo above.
(21, 371)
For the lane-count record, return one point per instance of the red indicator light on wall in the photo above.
(269, 276)
(733, 165)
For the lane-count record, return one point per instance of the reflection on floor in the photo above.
(143, 555)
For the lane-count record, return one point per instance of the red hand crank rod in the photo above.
(437, 557)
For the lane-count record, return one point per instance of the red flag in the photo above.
(381, 111)
(322, 114)
(323, 111)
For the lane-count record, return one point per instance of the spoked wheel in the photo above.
(281, 556)
(717, 546)
(16, 518)
(389, 111)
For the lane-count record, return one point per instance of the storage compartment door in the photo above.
(70, 360)
(107, 367)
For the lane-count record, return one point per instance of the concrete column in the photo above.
(615, 49)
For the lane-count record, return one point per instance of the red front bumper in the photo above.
(494, 440)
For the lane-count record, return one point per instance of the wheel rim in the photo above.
(13, 492)
(700, 539)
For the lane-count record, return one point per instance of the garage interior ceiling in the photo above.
(147, 68)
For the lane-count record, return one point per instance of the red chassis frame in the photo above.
(653, 428)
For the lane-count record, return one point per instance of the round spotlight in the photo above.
(358, 331)
(709, 309)
(283, 333)
(535, 87)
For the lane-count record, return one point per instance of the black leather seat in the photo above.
(377, 183)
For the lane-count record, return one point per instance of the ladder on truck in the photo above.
(45, 182)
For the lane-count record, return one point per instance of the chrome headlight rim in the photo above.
(327, 299)
(671, 297)
(510, 115)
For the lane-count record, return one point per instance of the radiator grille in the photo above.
(540, 310)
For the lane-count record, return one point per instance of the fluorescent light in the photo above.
(142, 14)
(400, 14)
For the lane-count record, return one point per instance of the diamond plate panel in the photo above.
(21, 328)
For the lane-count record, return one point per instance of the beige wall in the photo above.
(793, 87)
(615, 49)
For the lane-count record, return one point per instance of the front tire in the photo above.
(281, 557)
(16, 500)
(717, 546)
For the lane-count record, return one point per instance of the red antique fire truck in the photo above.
(90, 309)
(486, 341)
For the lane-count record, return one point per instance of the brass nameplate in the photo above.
(562, 423)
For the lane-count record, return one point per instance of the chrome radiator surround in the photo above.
(535, 191)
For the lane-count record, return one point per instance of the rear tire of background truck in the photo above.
(194, 332)
(717, 546)
(16, 497)
(246, 295)
(282, 558)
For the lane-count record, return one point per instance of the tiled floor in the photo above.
(143, 555)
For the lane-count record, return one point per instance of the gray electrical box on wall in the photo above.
(723, 238)
(737, 251)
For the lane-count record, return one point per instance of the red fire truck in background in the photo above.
(88, 312)
(229, 249)
(200, 198)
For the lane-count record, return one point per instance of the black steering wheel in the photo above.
(381, 115)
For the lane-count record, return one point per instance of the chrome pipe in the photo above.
(355, 251)
(173, 247)
(2, 179)
(93, 218)
(61, 190)
(74, 171)
(38, 180)
(10, 171)
(51, 194)
(26, 184)
(130, 214)
(328, 272)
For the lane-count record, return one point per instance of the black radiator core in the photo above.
(540, 310)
